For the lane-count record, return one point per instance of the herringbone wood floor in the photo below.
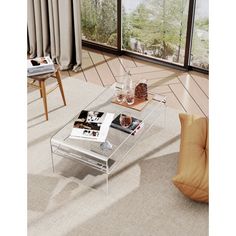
(185, 91)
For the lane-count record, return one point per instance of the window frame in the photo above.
(119, 51)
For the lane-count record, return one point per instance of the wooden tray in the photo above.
(138, 105)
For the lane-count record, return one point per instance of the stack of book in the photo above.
(133, 128)
(39, 65)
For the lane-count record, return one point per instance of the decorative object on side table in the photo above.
(41, 75)
(39, 66)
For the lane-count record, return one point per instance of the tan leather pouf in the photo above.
(192, 173)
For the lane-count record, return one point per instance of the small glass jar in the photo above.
(141, 90)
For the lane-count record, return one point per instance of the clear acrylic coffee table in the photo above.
(91, 153)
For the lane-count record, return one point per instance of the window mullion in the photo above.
(190, 24)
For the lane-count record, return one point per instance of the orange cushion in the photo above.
(192, 173)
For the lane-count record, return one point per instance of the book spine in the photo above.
(39, 69)
(30, 73)
(133, 132)
(121, 128)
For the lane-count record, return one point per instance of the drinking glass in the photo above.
(120, 93)
(125, 120)
(130, 97)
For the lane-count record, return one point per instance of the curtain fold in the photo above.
(54, 28)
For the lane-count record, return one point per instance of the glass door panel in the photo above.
(156, 28)
(200, 41)
(99, 21)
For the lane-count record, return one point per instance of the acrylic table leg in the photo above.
(53, 168)
(107, 176)
(164, 123)
(107, 187)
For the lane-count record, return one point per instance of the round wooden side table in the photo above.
(41, 80)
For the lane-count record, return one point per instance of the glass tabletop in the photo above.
(91, 153)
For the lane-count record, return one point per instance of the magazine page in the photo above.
(92, 125)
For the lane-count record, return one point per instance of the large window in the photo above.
(200, 42)
(99, 21)
(156, 28)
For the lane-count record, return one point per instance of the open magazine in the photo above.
(39, 65)
(92, 126)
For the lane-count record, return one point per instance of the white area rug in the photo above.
(142, 199)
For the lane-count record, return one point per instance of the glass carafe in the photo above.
(128, 85)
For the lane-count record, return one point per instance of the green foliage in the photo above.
(99, 20)
(158, 24)
(155, 27)
(200, 44)
(112, 40)
(89, 19)
(202, 24)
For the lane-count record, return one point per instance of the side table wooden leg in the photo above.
(40, 89)
(42, 85)
(58, 77)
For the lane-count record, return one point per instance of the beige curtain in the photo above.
(54, 28)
